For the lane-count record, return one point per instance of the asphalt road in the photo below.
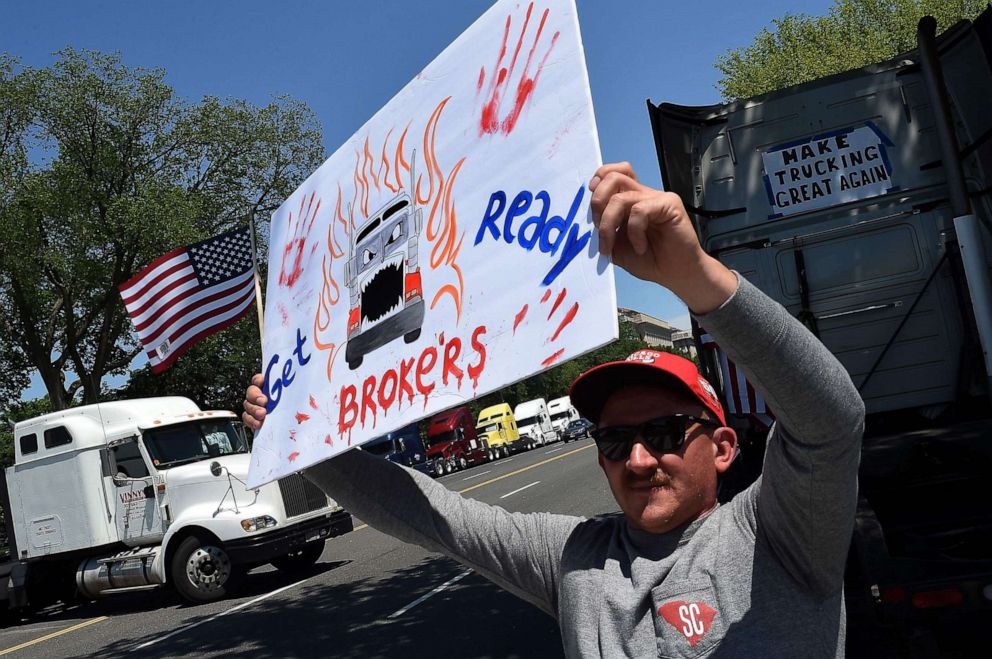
(369, 595)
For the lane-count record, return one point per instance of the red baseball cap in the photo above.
(651, 367)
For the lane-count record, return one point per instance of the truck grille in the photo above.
(300, 496)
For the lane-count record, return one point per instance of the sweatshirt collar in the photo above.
(654, 546)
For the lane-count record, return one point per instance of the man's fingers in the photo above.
(613, 183)
(614, 217)
(647, 209)
(250, 421)
(254, 403)
(624, 168)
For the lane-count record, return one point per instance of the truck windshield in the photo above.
(490, 428)
(559, 415)
(446, 436)
(379, 448)
(528, 421)
(190, 442)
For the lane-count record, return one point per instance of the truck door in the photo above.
(132, 489)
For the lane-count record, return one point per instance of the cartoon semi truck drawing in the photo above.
(383, 276)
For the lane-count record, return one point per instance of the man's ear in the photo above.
(725, 441)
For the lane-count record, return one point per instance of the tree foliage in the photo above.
(103, 168)
(854, 33)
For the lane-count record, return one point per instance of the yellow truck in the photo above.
(498, 431)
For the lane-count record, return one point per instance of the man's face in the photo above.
(661, 491)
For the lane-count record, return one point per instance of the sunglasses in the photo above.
(666, 434)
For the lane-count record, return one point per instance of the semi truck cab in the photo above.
(453, 442)
(498, 429)
(129, 494)
(534, 422)
(402, 446)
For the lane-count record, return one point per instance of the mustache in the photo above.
(657, 479)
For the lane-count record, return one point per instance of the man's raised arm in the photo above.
(519, 552)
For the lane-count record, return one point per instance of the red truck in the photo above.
(453, 443)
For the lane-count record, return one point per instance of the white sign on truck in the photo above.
(829, 169)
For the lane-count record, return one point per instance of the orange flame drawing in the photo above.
(392, 171)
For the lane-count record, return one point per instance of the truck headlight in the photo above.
(258, 523)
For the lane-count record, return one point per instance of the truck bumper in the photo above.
(264, 547)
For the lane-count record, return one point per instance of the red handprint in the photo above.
(296, 239)
(501, 77)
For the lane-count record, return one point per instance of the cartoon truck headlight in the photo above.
(383, 277)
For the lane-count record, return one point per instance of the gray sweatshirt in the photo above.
(760, 576)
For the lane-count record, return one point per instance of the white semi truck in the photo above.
(562, 413)
(131, 494)
(534, 422)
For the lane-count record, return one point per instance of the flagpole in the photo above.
(258, 283)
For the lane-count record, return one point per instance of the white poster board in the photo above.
(826, 170)
(446, 250)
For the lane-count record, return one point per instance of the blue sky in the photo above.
(347, 59)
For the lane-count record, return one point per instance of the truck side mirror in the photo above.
(215, 468)
(149, 492)
(120, 479)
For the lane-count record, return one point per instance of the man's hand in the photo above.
(647, 232)
(254, 404)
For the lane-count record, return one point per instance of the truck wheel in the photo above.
(439, 467)
(300, 560)
(449, 467)
(202, 572)
(462, 463)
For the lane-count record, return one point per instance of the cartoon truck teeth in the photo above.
(383, 277)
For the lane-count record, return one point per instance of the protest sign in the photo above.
(444, 251)
(825, 170)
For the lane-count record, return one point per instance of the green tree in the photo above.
(853, 33)
(103, 169)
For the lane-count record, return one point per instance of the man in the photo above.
(678, 575)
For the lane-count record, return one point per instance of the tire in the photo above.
(505, 450)
(449, 467)
(462, 463)
(201, 571)
(410, 337)
(438, 468)
(300, 560)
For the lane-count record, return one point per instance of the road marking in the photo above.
(507, 460)
(481, 473)
(85, 623)
(523, 469)
(222, 614)
(434, 592)
(519, 489)
(558, 448)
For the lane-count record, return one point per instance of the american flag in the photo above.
(740, 395)
(190, 293)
